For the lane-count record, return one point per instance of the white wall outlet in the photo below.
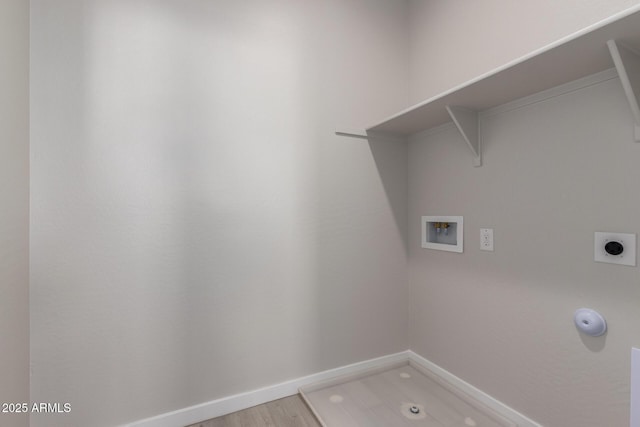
(615, 248)
(486, 239)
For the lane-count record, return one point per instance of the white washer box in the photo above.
(615, 248)
(444, 233)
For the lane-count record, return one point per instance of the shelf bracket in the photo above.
(627, 64)
(466, 120)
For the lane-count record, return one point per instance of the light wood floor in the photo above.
(287, 412)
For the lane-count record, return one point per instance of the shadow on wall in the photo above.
(361, 256)
(594, 344)
(390, 155)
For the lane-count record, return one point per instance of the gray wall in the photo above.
(503, 320)
(453, 41)
(198, 229)
(553, 173)
(14, 206)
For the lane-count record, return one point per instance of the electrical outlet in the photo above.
(615, 248)
(486, 239)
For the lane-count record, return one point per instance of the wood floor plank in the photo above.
(297, 409)
(288, 412)
(262, 416)
(216, 422)
(233, 420)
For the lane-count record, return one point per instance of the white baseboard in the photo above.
(238, 402)
(479, 395)
(227, 405)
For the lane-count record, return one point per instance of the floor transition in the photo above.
(398, 395)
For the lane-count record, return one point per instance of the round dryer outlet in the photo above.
(615, 248)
